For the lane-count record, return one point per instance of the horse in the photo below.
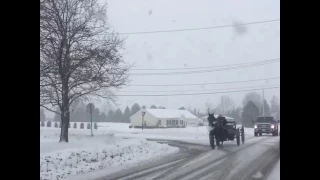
(217, 131)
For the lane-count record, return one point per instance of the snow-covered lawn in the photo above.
(85, 154)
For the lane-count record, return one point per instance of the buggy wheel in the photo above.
(242, 135)
(211, 138)
(238, 138)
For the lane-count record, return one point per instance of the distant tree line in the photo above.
(81, 115)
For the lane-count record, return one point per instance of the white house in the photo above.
(164, 118)
(205, 118)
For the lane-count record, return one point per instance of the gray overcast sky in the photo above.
(197, 48)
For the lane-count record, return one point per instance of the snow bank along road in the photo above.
(253, 160)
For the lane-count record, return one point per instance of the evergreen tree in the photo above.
(118, 116)
(254, 97)
(110, 116)
(182, 108)
(267, 111)
(79, 114)
(135, 108)
(103, 117)
(153, 107)
(127, 115)
(249, 114)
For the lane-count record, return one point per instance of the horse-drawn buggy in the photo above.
(221, 130)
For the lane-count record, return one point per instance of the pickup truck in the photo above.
(266, 125)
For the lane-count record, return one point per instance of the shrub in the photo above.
(75, 125)
(95, 125)
(42, 124)
(60, 125)
(81, 126)
(49, 124)
(88, 126)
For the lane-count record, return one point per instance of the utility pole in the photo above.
(262, 102)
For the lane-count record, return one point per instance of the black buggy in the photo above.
(222, 130)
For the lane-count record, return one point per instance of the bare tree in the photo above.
(79, 57)
(226, 105)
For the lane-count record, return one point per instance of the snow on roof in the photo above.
(216, 115)
(171, 113)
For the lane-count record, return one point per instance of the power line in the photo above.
(201, 84)
(275, 87)
(205, 67)
(205, 71)
(196, 29)
(205, 89)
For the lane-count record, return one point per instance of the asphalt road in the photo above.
(254, 159)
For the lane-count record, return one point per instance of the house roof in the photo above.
(216, 115)
(171, 113)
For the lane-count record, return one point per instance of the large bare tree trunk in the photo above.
(65, 113)
(64, 129)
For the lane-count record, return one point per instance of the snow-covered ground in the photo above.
(113, 145)
(85, 154)
(275, 174)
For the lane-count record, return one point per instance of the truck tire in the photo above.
(255, 134)
(275, 133)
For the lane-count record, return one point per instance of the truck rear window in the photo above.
(265, 119)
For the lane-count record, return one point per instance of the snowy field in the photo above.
(85, 154)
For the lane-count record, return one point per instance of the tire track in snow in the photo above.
(190, 171)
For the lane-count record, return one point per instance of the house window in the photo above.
(168, 122)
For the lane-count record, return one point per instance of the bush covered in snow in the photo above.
(82, 126)
(75, 125)
(56, 124)
(42, 124)
(49, 124)
(88, 126)
(95, 126)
